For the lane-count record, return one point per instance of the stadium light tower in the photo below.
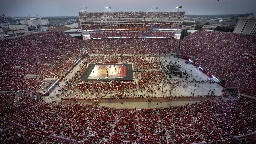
(84, 9)
(178, 7)
(107, 9)
(155, 8)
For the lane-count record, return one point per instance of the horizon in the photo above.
(47, 8)
(185, 15)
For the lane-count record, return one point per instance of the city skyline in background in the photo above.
(44, 8)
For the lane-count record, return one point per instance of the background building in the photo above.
(246, 25)
(35, 22)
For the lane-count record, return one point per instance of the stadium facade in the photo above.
(132, 21)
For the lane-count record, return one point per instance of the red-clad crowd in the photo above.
(97, 15)
(131, 46)
(7, 102)
(26, 61)
(132, 34)
(228, 56)
(133, 26)
(24, 120)
(217, 121)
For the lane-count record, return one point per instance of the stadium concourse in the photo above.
(159, 73)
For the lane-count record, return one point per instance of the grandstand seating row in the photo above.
(132, 34)
(132, 14)
(130, 25)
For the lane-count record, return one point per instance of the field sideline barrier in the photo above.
(60, 79)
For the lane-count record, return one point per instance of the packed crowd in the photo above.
(132, 25)
(24, 120)
(205, 122)
(131, 46)
(228, 56)
(7, 102)
(132, 14)
(132, 34)
(27, 61)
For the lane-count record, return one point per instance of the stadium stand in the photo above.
(132, 34)
(27, 61)
(131, 46)
(130, 20)
(228, 56)
(205, 122)
(42, 55)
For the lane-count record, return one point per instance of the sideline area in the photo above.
(142, 103)
(54, 95)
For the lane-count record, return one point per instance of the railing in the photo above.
(244, 95)
(60, 79)
(253, 134)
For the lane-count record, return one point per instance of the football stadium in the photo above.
(130, 80)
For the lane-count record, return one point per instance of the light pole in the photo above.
(155, 8)
(107, 9)
(178, 7)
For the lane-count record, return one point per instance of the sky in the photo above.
(72, 7)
